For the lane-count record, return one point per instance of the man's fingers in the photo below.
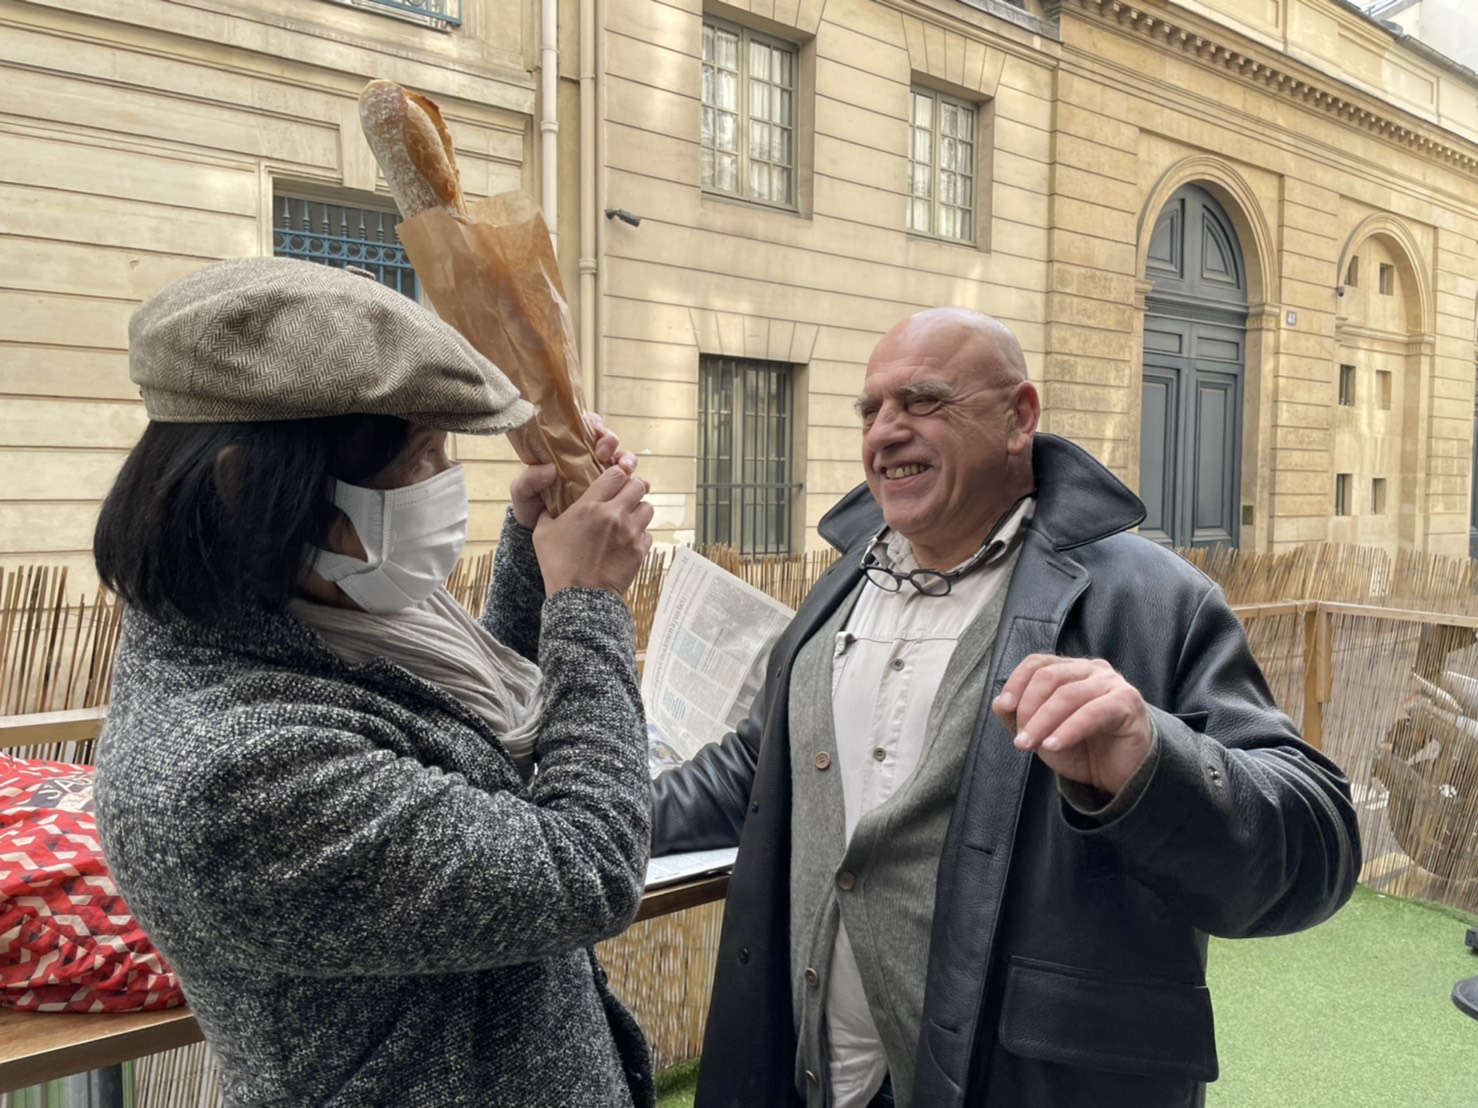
(1064, 715)
(1010, 695)
(1055, 702)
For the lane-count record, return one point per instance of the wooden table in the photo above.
(37, 1047)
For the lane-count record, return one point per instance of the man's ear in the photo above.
(1026, 413)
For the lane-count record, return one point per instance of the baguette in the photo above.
(411, 142)
(489, 270)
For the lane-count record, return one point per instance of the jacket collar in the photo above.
(1078, 501)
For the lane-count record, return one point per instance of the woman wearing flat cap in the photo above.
(375, 837)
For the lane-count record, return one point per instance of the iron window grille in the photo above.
(941, 165)
(748, 114)
(338, 235)
(439, 14)
(746, 494)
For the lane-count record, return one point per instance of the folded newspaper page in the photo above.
(672, 868)
(711, 637)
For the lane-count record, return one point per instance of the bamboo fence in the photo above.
(54, 654)
(1342, 633)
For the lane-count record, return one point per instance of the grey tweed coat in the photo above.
(364, 901)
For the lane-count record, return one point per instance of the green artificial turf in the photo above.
(1356, 1013)
(675, 1087)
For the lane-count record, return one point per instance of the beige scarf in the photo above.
(438, 641)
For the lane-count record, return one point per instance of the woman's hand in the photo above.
(526, 491)
(599, 541)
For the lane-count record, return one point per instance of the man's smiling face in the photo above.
(947, 418)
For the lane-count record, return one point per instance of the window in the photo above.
(941, 165)
(437, 13)
(1378, 496)
(1347, 385)
(1342, 484)
(745, 491)
(1387, 279)
(1352, 272)
(1383, 388)
(338, 235)
(748, 114)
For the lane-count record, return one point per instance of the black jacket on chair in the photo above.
(1067, 959)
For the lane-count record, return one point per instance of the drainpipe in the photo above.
(549, 117)
(589, 201)
(598, 175)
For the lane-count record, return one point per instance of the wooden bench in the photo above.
(38, 1047)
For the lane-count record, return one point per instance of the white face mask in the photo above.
(412, 537)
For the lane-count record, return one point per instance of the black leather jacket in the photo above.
(1067, 958)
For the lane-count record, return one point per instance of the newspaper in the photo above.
(672, 868)
(711, 637)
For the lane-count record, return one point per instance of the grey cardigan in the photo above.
(365, 903)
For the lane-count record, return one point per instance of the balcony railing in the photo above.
(443, 14)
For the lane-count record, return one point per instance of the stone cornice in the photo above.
(1281, 75)
(1379, 336)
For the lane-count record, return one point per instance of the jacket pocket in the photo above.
(1196, 721)
(1074, 1017)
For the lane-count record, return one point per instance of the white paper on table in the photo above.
(711, 636)
(680, 867)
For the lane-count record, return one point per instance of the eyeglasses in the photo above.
(933, 582)
(930, 582)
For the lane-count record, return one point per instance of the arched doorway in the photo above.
(1195, 342)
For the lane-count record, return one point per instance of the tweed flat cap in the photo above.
(256, 339)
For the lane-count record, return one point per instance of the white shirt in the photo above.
(886, 670)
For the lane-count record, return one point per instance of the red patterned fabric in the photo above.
(67, 941)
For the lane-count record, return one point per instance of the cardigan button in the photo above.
(744, 955)
(846, 881)
(812, 977)
(823, 760)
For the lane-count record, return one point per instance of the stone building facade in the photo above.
(1238, 238)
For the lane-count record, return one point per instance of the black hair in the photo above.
(206, 516)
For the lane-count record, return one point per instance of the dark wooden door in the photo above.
(1194, 358)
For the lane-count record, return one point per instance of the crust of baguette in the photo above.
(411, 143)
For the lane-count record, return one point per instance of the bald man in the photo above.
(1011, 766)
